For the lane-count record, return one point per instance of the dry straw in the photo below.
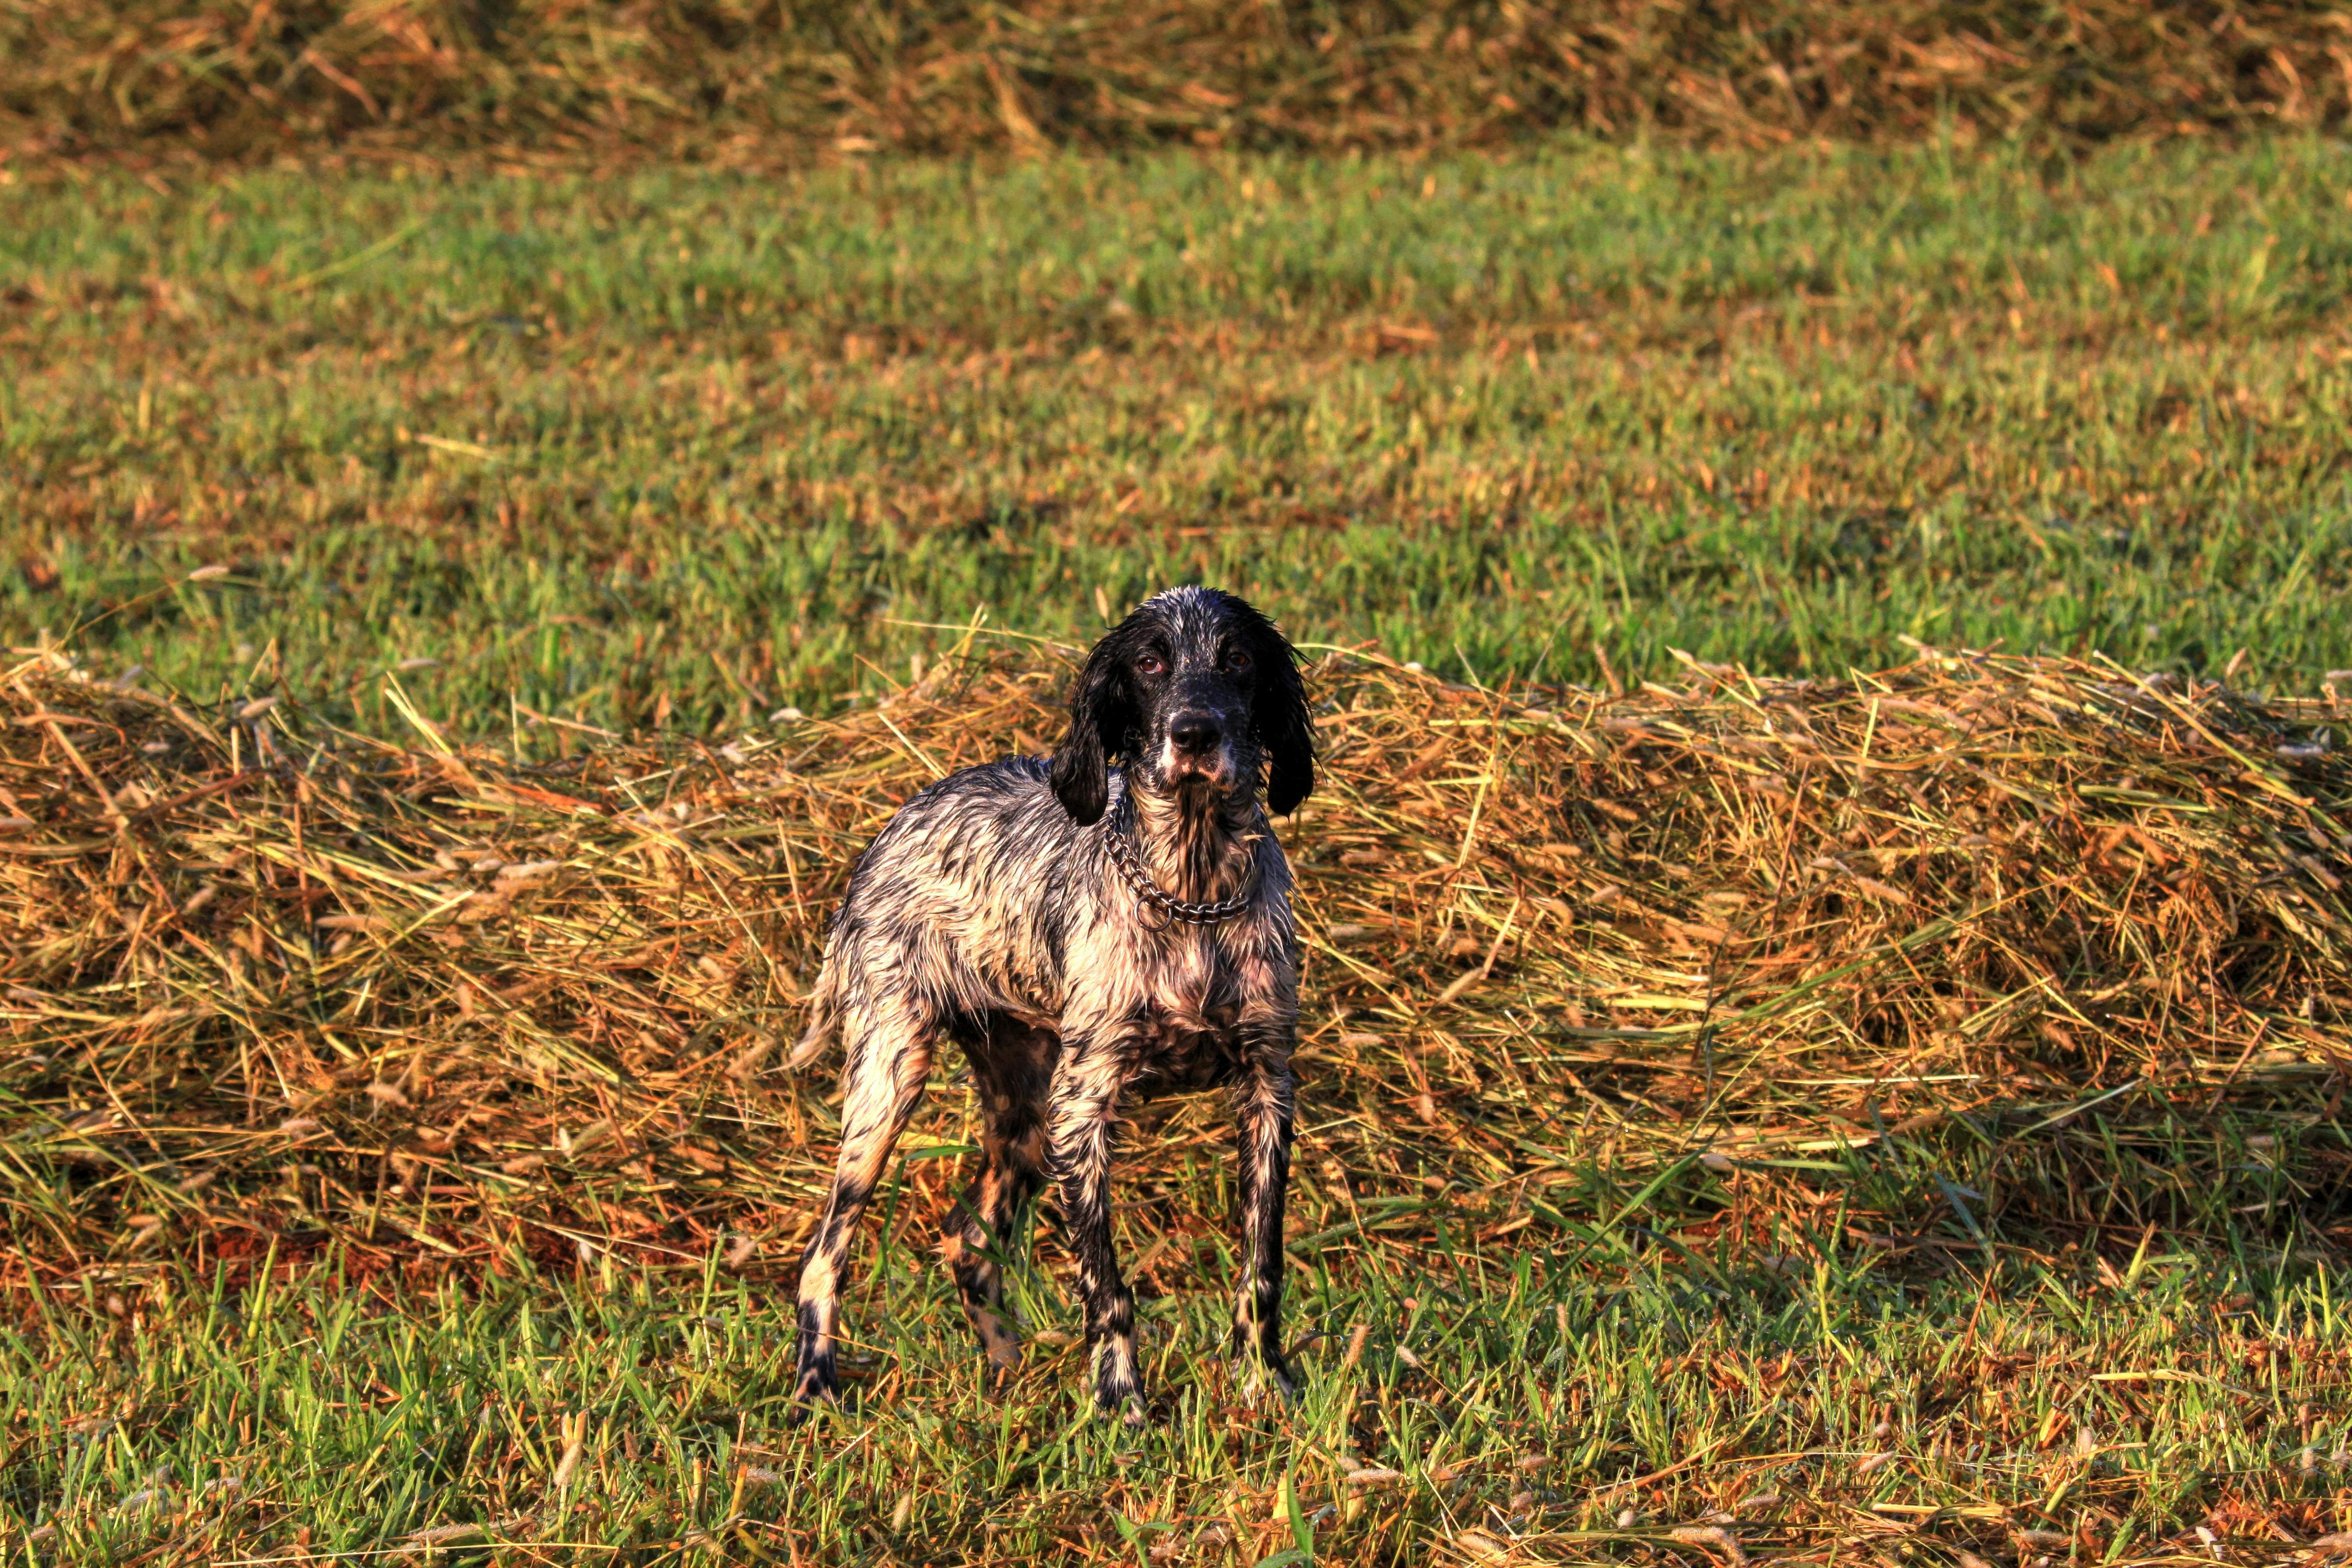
(1992, 950)
(251, 80)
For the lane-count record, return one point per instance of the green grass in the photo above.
(2115, 1408)
(676, 447)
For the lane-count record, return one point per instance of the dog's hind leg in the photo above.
(889, 1046)
(1011, 1068)
(986, 1225)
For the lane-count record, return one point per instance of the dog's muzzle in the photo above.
(1196, 746)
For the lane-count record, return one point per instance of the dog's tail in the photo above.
(824, 1018)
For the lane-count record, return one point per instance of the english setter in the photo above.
(1088, 933)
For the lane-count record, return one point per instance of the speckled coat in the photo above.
(993, 911)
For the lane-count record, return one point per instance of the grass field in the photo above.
(679, 449)
(1833, 1412)
(1837, 1163)
(1907, 1133)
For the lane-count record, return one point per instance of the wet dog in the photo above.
(1091, 931)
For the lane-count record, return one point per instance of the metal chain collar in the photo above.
(1148, 895)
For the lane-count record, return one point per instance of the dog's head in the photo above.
(1195, 693)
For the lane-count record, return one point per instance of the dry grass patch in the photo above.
(1980, 950)
(249, 78)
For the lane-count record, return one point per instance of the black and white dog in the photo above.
(1088, 933)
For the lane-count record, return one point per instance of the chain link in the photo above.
(1148, 895)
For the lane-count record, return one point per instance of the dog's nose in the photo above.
(1195, 733)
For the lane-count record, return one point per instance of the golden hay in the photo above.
(254, 80)
(1727, 955)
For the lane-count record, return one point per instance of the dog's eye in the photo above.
(1151, 664)
(1236, 660)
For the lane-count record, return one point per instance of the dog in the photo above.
(1109, 926)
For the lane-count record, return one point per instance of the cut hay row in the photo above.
(1979, 952)
(252, 80)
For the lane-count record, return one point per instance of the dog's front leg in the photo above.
(1269, 1096)
(1085, 1095)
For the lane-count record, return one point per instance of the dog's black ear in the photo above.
(1279, 713)
(1102, 711)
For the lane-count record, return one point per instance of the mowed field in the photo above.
(676, 449)
(1883, 1118)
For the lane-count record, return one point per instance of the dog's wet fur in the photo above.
(989, 911)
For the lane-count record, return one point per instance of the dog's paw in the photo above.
(1264, 1381)
(818, 1385)
(999, 1341)
(1124, 1404)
